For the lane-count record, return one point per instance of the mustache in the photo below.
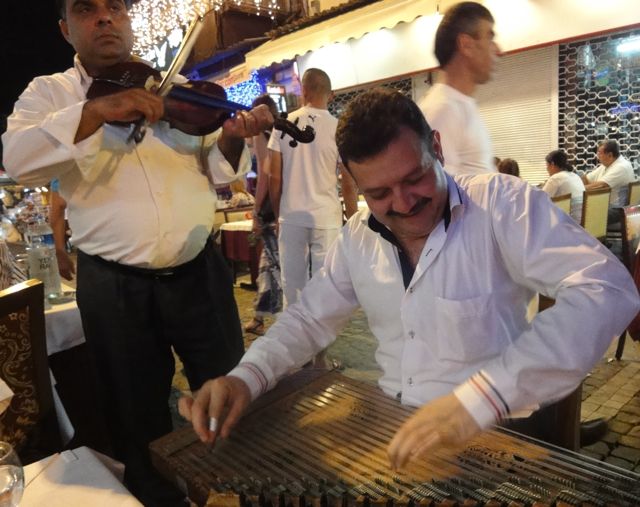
(415, 209)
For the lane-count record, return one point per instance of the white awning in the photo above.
(351, 25)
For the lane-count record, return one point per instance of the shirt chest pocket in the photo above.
(468, 330)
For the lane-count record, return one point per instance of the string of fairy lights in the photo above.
(154, 21)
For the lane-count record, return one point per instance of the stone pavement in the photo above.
(612, 390)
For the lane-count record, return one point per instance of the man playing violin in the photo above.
(149, 280)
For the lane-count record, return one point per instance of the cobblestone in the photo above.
(619, 463)
(619, 427)
(627, 453)
(630, 441)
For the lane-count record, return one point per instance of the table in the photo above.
(77, 477)
(236, 246)
(63, 325)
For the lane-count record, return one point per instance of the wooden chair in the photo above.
(634, 193)
(563, 202)
(630, 219)
(29, 423)
(595, 208)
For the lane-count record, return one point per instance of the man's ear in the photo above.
(64, 29)
(464, 43)
(436, 145)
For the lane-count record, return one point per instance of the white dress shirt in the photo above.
(150, 205)
(461, 324)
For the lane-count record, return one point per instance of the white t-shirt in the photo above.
(566, 182)
(465, 140)
(309, 172)
(617, 175)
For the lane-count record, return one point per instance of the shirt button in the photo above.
(412, 334)
(410, 290)
(410, 381)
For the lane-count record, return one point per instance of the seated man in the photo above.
(444, 268)
(614, 172)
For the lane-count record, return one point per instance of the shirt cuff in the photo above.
(252, 376)
(63, 125)
(482, 400)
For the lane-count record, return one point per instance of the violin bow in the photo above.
(188, 41)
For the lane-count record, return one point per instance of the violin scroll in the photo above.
(298, 135)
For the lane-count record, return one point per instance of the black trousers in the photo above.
(132, 320)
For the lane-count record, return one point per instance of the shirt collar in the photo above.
(85, 78)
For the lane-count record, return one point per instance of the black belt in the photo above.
(171, 271)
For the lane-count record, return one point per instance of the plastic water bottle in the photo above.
(41, 255)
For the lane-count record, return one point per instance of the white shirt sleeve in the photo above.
(39, 140)
(616, 175)
(551, 187)
(274, 141)
(545, 249)
(303, 329)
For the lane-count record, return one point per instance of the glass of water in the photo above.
(11, 476)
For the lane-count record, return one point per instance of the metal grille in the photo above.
(341, 100)
(599, 98)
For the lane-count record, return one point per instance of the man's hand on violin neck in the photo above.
(248, 123)
(126, 106)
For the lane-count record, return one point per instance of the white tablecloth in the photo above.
(239, 225)
(63, 325)
(77, 478)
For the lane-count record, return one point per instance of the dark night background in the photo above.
(31, 46)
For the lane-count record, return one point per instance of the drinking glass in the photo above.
(11, 476)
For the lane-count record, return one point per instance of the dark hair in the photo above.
(317, 81)
(267, 101)
(373, 120)
(61, 7)
(459, 18)
(559, 159)
(611, 147)
(509, 166)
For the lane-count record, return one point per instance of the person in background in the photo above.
(444, 274)
(467, 53)
(614, 172)
(303, 189)
(239, 195)
(149, 279)
(562, 180)
(269, 297)
(509, 166)
(58, 223)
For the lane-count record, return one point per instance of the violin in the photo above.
(196, 107)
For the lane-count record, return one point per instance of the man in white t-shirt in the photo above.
(614, 172)
(467, 54)
(303, 188)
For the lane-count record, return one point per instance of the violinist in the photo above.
(148, 277)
